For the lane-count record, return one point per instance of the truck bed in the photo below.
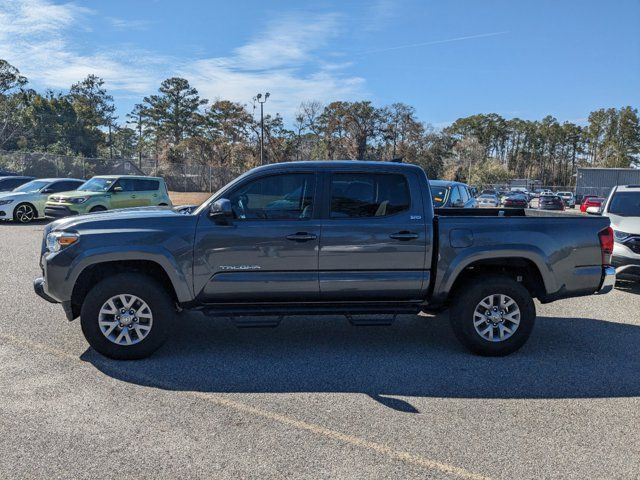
(564, 249)
(498, 212)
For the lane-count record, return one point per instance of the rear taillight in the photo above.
(606, 244)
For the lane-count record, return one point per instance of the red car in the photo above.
(590, 201)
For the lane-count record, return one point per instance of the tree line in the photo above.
(177, 126)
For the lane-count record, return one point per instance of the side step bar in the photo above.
(280, 310)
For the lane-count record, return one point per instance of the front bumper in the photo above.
(38, 287)
(608, 280)
(58, 211)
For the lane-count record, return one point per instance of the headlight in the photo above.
(56, 241)
(79, 199)
(620, 236)
(5, 202)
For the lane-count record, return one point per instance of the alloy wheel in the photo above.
(25, 213)
(496, 317)
(125, 319)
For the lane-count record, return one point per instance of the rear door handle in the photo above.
(404, 235)
(301, 237)
(133, 196)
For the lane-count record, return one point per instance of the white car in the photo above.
(568, 199)
(488, 200)
(26, 202)
(623, 209)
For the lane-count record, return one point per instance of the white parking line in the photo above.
(406, 457)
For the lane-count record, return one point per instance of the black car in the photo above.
(518, 200)
(550, 202)
(9, 183)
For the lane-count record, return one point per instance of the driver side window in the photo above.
(287, 196)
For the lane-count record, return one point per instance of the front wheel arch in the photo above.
(92, 274)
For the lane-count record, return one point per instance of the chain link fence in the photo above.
(179, 177)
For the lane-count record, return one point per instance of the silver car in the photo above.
(488, 201)
(568, 199)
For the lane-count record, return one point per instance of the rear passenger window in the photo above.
(13, 183)
(358, 195)
(142, 185)
(126, 184)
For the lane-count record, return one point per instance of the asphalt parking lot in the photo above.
(317, 398)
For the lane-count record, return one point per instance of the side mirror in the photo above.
(458, 204)
(46, 190)
(117, 189)
(221, 209)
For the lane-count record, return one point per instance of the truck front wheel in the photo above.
(126, 316)
(492, 315)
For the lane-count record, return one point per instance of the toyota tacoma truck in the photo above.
(315, 238)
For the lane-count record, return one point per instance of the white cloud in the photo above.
(37, 37)
(124, 24)
(283, 61)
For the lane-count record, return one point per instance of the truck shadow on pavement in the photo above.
(564, 358)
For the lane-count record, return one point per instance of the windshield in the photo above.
(33, 186)
(487, 197)
(626, 204)
(97, 185)
(439, 195)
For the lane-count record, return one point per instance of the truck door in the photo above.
(374, 242)
(269, 251)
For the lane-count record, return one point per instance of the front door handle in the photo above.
(404, 235)
(133, 196)
(301, 237)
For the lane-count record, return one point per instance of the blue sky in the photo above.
(447, 58)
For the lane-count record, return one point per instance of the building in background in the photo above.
(599, 181)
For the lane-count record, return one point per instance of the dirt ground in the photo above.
(188, 198)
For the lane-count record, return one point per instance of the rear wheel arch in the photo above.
(521, 269)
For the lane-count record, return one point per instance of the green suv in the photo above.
(109, 192)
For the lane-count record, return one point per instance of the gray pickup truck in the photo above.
(343, 237)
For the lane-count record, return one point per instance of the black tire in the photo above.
(97, 208)
(142, 286)
(469, 295)
(25, 213)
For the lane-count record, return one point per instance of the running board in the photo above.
(371, 309)
(371, 320)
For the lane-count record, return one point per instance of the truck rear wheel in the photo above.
(126, 316)
(492, 315)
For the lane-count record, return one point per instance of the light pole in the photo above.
(261, 100)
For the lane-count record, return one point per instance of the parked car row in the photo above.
(62, 197)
